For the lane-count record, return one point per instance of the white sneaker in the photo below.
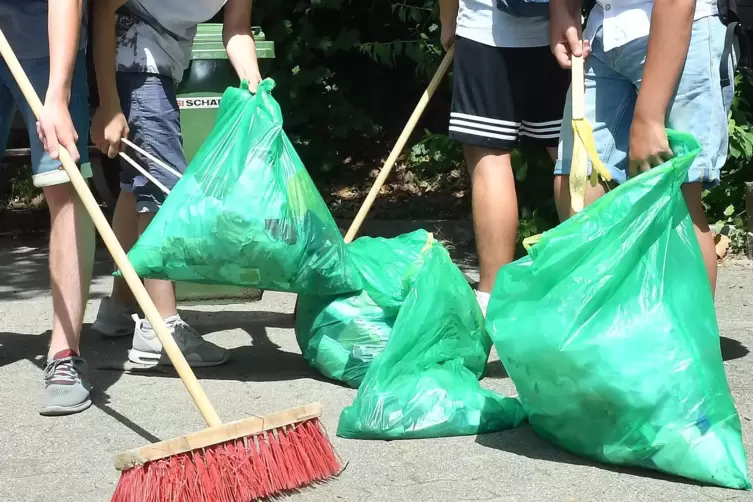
(483, 300)
(147, 349)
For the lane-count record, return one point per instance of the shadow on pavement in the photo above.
(732, 349)
(495, 370)
(261, 360)
(24, 268)
(525, 442)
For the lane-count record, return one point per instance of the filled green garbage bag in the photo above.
(425, 382)
(340, 335)
(246, 212)
(608, 331)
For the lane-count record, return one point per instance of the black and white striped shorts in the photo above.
(501, 95)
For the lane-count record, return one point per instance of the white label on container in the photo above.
(199, 102)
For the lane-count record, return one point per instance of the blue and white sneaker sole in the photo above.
(59, 411)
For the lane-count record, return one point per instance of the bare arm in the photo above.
(64, 26)
(54, 125)
(448, 15)
(566, 26)
(671, 25)
(668, 42)
(239, 41)
(103, 45)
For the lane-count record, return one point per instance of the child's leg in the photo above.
(495, 210)
(154, 121)
(155, 126)
(701, 107)
(483, 118)
(609, 103)
(125, 226)
(692, 193)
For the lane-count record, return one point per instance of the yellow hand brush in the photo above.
(584, 146)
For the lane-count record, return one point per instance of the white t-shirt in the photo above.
(628, 20)
(482, 22)
(156, 36)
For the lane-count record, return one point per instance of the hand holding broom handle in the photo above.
(578, 89)
(578, 178)
(108, 236)
(400, 144)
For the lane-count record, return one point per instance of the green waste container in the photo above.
(199, 93)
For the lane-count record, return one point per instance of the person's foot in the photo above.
(483, 300)
(66, 385)
(113, 320)
(147, 349)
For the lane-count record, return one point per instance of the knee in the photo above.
(693, 193)
(127, 199)
(60, 197)
(483, 160)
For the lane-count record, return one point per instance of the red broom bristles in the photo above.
(243, 470)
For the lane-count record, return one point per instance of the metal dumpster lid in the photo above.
(208, 43)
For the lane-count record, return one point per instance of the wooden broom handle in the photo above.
(100, 222)
(401, 141)
(578, 89)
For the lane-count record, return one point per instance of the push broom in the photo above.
(239, 461)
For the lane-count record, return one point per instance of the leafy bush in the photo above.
(726, 203)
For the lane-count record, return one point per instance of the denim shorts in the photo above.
(150, 105)
(45, 171)
(700, 105)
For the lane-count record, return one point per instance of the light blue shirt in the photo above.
(24, 23)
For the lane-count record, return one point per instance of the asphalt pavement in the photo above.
(71, 458)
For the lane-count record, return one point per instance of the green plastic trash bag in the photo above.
(340, 335)
(425, 383)
(608, 331)
(246, 212)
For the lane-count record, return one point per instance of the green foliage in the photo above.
(336, 68)
(435, 153)
(349, 73)
(726, 203)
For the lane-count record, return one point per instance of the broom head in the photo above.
(241, 461)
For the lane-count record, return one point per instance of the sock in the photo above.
(483, 300)
(170, 321)
(62, 355)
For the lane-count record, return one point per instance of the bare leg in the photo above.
(71, 261)
(692, 193)
(495, 210)
(162, 293)
(562, 195)
(125, 226)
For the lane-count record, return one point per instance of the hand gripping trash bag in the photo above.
(425, 383)
(340, 335)
(608, 331)
(246, 212)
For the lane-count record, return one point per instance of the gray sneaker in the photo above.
(113, 320)
(147, 349)
(66, 385)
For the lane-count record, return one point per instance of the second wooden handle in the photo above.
(401, 141)
(578, 89)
